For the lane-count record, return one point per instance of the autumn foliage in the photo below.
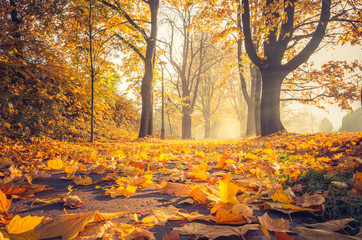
(234, 180)
(44, 80)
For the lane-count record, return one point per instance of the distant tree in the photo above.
(325, 125)
(352, 122)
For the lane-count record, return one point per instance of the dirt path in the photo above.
(141, 201)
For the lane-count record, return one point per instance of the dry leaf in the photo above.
(281, 196)
(178, 189)
(121, 191)
(4, 202)
(68, 226)
(242, 209)
(82, 181)
(277, 225)
(173, 235)
(310, 200)
(140, 234)
(320, 234)
(213, 232)
(224, 217)
(333, 225)
(19, 225)
(72, 201)
(282, 236)
(228, 191)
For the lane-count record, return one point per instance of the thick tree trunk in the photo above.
(146, 127)
(270, 102)
(186, 125)
(207, 128)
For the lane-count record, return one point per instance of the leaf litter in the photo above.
(238, 181)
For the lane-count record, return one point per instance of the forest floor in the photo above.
(284, 186)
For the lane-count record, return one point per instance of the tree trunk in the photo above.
(146, 127)
(207, 128)
(186, 125)
(270, 102)
(257, 101)
(250, 124)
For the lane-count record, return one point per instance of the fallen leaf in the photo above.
(213, 232)
(68, 226)
(282, 236)
(55, 164)
(320, 234)
(178, 189)
(277, 225)
(83, 181)
(19, 225)
(333, 225)
(161, 215)
(140, 234)
(281, 196)
(228, 191)
(4, 202)
(72, 201)
(173, 235)
(121, 191)
(310, 200)
(242, 209)
(224, 217)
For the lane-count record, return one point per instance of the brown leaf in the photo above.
(320, 234)
(213, 232)
(173, 235)
(72, 201)
(242, 209)
(310, 200)
(277, 225)
(67, 227)
(334, 225)
(178, 189)
(140, 234)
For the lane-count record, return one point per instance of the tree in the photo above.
(275, 45)
(286, 24)
(352, 122)
(194, 61)
(137, 35)
(325, 125)
(211, 92)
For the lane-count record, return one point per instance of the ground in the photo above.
(295, 179)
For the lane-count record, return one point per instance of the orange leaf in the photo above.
(224, 217)
(282, 236)
(173, 235)
(178, 189)
(4, 202)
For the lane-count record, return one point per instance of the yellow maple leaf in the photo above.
(281, 196)
(121, 191)
(19, 225)
(82, 181)
(55, 164)
(228, 191)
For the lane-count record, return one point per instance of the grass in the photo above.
(339, 202)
